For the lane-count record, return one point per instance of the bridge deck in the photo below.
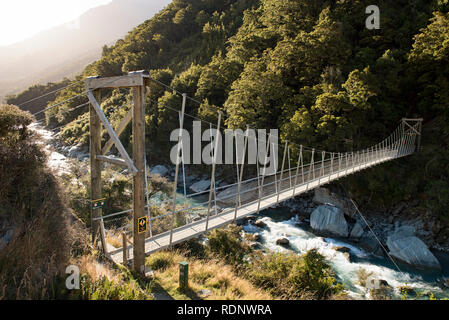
(197, 228)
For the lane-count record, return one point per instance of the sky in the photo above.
(21, 19)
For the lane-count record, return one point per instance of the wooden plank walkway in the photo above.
(195, 229)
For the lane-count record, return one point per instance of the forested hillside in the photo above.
(309, 68)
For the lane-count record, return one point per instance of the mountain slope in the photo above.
(65, 50)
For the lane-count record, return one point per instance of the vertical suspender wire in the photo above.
(300, 161)
(323, 155)
(238, 200)
(407, 149)
(415, 136)
(264, 173)
(406, 138)
(183, 165)
(393, 147)
(282, 171)
(289, 166)
(313, 165)
(412, 139)
(346, 163)
(340, 157)
(237, 171)
(175, 185)
(214, 162)
(215, 187)
(147, 194)
(403, 139)
(257, 164)
(310, 168)
(275, 171)
(405, 144)
(332, 166)
(352, 160)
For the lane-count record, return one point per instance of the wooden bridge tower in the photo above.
(137, 82)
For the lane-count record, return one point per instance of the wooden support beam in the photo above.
(111, 132)
(121, 127)
(95, 168)
(119, 162)
(139, 177)
(130, 80)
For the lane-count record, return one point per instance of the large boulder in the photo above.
(357, 231)
(408, 248)
(325, 196)
(370, 244)
(248, 191)
(160, 170)
(330, 220)
(282, 242)
(200, 186)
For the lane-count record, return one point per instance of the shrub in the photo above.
(33, 207)
(292, 277)
(105, 289)
(160, 260)
(226, 244)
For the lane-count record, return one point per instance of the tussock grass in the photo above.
(213, 275)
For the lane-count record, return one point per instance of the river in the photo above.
(302, 240)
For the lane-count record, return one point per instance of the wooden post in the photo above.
(139, 177)
(183, 275)
(125, 249)
(95, 165)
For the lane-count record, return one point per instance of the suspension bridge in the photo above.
(216, 206)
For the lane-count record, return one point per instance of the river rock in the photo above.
(252, 237)
(325, 196)
(200, 186)
(260, 224)
(330, 220)
(357, 231)
(160, 170)
(408, 248)
(342, 249)
(228, 195)
(369, 243)
(282, 242)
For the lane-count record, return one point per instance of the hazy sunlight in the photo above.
(21, 19)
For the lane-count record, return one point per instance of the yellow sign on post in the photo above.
(98, 204)
(142, 224)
